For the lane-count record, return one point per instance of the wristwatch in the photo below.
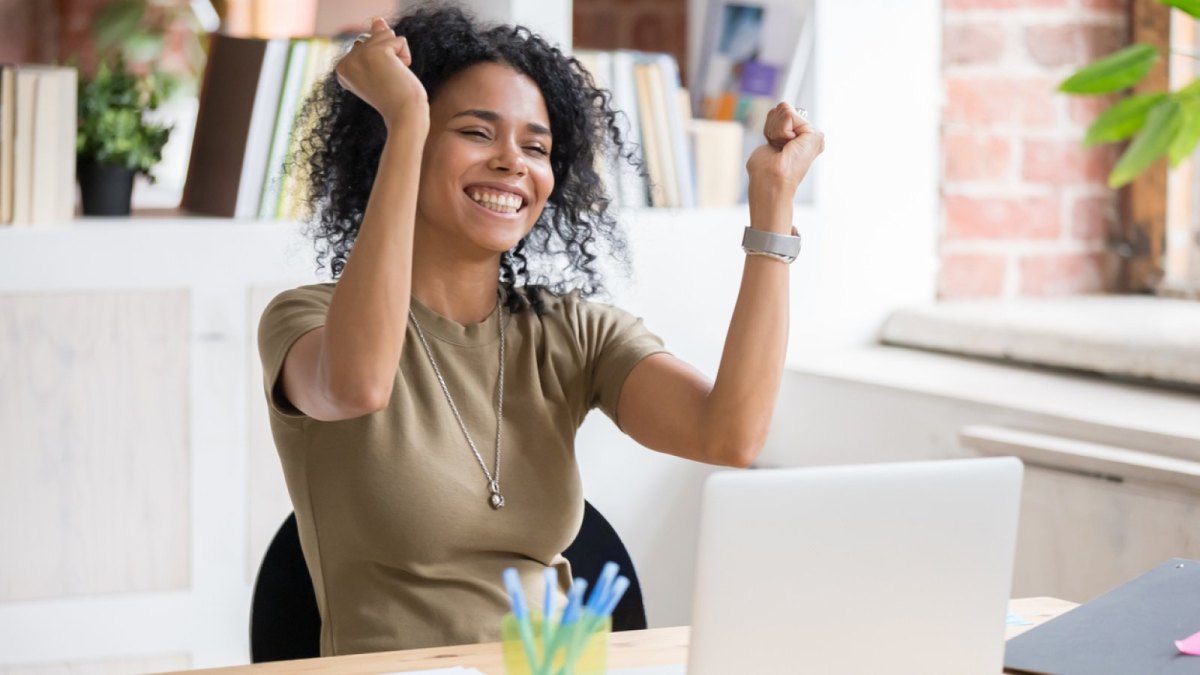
(779, 247)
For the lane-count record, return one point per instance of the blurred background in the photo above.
(970, 285)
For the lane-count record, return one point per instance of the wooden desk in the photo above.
(655, 647)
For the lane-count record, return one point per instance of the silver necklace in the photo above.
(496, 500)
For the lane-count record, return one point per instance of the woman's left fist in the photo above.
(792, 145)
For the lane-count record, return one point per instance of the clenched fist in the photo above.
(792, 145)
(376, 69)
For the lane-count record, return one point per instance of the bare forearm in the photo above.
(742, 400)
(364, 331)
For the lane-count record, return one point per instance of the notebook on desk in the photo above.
(884, 568)
(1131, 629)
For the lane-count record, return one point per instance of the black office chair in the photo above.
(285, 623)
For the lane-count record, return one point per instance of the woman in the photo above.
(439, 170)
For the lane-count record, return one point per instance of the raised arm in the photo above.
(346, 368)
(668, 405)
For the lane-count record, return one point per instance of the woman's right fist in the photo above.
(376, 69)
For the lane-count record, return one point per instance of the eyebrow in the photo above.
(492, 116)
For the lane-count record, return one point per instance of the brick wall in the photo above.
(1025, 207)
(648, 25)
(49, 32)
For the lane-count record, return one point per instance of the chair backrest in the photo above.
(284, 620)
(596, 544)
(286, 624)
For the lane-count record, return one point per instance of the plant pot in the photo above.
(106, 188)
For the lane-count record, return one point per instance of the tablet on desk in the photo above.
(1131, 629)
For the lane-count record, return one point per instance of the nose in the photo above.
(508, 158)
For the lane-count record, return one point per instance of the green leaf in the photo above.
(112, 126)
(1192, 7)
(1184, 143)
(117, 21)
(1190, 91)
(1114, 72)
(1163, 124)
(143, 47)
(1122, 120)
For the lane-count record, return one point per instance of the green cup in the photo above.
(583, 656)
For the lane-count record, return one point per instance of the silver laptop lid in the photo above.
(883, 568)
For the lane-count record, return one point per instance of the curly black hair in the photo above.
(344, 139)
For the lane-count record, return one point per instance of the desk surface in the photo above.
(655, 647)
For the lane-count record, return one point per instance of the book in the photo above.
(227, 97)
(718, 153)
(740, 41)
(46, 151)
(662, 130)
(676, 120)
(633, 188)
(262, 122)
(650, 135)
(321, 55)
(63, 206)
(599, 66)
(285, 119)
(8, 117)
(26, 110)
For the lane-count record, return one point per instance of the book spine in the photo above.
(68, 121)
(634, 191)
(8, 118)
(258, 135)
(285, 121)
(662, 132)
(26, 109)
(677, 128)
(650, 136)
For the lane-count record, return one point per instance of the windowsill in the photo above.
(1147, 339)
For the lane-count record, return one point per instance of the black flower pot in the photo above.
(106, 188)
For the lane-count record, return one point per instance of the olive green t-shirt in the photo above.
(402, 545)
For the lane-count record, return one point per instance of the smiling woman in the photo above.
(443, 159)
(450, 52)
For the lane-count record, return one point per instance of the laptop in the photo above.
(878, 568)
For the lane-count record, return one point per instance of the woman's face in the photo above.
(485, 175)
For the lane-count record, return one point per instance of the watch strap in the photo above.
(781, 247)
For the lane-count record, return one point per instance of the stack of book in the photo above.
(37, 144)
(250, 102)
(688, 162)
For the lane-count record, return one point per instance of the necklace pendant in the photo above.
(497, 501)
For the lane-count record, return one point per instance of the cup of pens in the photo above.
(573, 643)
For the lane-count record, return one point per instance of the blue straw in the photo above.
(548, 623)
(516, 597)
(603, 585)
(570, 618)
(595, 616)
(618, 590)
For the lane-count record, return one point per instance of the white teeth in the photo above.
(503, 203)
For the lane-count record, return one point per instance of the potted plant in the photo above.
(115, 142)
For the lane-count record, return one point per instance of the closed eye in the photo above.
(474, 132)
(538, 149)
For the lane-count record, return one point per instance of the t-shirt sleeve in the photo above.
(615, 342)
(290, 315)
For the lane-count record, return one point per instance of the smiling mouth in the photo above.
(499, 202)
